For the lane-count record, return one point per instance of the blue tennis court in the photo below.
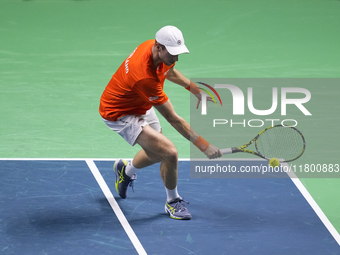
(56, 195)
(57, 207)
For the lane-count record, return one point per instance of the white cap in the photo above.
(172, 38)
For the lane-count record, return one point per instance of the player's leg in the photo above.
(156, 148)
(130, 128)
(162, 148)
(145, 157)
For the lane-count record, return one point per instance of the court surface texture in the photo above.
(71, 207)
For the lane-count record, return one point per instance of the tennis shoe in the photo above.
(122, 180)
(176, 209)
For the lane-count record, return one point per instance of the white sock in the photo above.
(171, 194)
(130, 170)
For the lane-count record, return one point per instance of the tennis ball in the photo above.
(274, 162)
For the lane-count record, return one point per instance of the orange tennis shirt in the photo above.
(136, 86)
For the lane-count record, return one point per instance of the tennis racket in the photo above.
(283, 142)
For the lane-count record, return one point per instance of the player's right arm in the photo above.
(183, 127)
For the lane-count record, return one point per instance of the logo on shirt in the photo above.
(152, 98)
(127, 61)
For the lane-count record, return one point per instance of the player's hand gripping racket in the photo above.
(283, 142)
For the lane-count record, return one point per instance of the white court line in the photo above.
(313, 204)
(134, 239)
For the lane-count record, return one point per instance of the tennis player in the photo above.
(127, 107)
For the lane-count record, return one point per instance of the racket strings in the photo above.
(280, 142)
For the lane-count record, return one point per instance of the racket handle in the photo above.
(226, 151)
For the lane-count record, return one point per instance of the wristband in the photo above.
(193, 88)
(201, 143)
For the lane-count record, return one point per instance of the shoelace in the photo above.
(134, 177)
(131, 184)
(179, 204)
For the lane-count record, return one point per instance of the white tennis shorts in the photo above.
(130, 126)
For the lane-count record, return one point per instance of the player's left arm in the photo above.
(177, 77)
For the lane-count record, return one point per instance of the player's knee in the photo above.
(172, 153)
